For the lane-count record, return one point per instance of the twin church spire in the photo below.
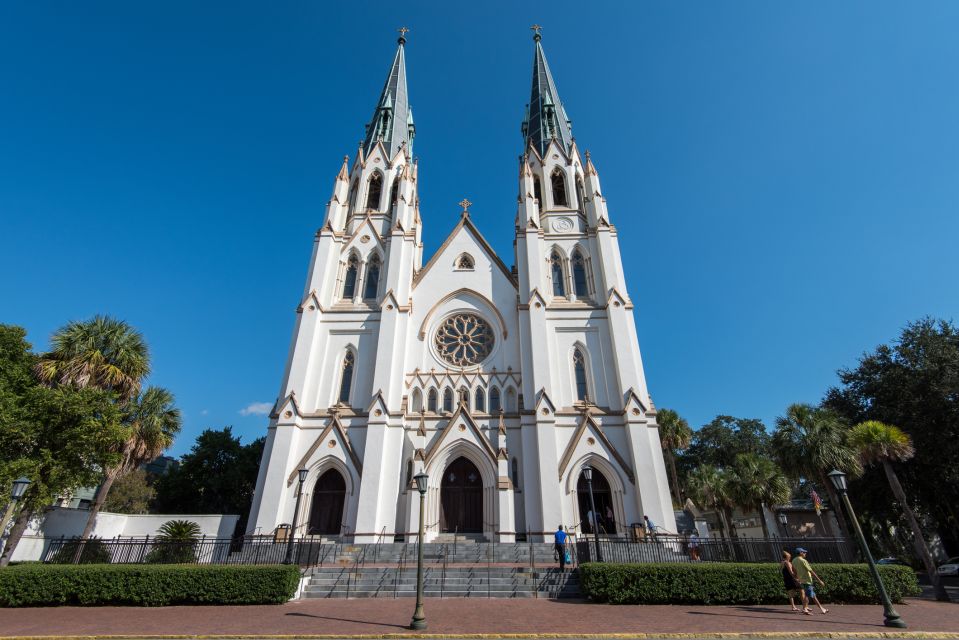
(392, 122)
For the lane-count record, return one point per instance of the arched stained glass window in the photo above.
(373, 192)
(579, 275)
(480, 405)
(558, 182)
(556, 273)
(349, 279)
(372, 277)
(431, 401)
(579, 373)
(346, 377)
(494, 402)
(448, 399)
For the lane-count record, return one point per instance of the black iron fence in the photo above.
(672, 548)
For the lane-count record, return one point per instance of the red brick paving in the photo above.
(459, 616)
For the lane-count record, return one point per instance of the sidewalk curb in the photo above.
(841, 635)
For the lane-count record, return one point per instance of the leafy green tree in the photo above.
(674, 435)
(885, 444)
(912, 383)
(721, 440)
(756, 481)
(131, 493)
(710, 488)
(153, 422)
(809, 442)
(16, 365)
(218, 475)
(103, 353)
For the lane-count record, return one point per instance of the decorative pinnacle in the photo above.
(466, 205)
(403, 31)
(536, 35)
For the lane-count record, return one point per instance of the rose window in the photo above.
(464, 339)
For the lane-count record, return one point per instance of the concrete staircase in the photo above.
(453, 582)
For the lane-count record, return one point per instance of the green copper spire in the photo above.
(392, 122)
(545, 116)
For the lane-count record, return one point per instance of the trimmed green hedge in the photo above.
(146, 585)
(722, 583)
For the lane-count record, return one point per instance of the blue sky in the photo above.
(785, 177)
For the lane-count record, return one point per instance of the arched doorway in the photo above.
(326, 509)
(602, 496)
(461, 498)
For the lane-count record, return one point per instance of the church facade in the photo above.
(501, 383)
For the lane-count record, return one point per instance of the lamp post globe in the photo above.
(302, 473)
(419, 617)
(19, 488)
(892, 618)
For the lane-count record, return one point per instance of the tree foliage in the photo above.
(912, 383)
(720, 441)
(218, 475)
(130, 494)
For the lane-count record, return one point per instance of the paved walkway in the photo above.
(462, 616)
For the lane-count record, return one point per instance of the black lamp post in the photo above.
(588, 474)
(419, 618)
(783, 520)
(892, 619)
(19, 488)
(296, 511)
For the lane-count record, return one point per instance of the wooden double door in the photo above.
(461, 498)
(326, 509)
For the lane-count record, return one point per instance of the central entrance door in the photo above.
(461, 498)
(326, 510)
(603, 498)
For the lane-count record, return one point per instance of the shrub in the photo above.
(91, 551)
(729, 583)
(146, 585)
(176, 543)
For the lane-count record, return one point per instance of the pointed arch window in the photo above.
(538, 191)
(579, 374)
(448, 400)
(373, 192)
(409, 473)
(514, 472)
(431, 401)
(349, 279)
(556, 273)
(372, 277)
(480, 405)
(558, 183)
(394, 193)
(353, 189)
(510, 400)
(416, 404)
(494, 402)
(346, 377)
(580, 286)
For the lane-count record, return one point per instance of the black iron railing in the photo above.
(673, 548)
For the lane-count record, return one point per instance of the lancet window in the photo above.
(558, 182)
(372, 277)
(394, 192)
(580, 286)
(494, 401)
(431, 401)
(556, 273)
(349, 278)
(373, 192)
(346, 377)
(538, 191)
(448, 400)
(579, 374)
(480, 405)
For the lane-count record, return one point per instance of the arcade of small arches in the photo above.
(559, 193)
(374, 192)
(462, 496)
(477, 399)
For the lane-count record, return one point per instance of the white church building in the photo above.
(500, 382)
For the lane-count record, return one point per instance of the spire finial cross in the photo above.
(465, 204)
(536, 29)
(403, 31)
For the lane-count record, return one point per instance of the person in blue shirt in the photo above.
(560, 546)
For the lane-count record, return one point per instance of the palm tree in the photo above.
(885, 444)
(154, 421)
(709, 488)
(809, 442)
(757, 481)
(674, 434)
(104, 353)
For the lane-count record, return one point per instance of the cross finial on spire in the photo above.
(403, 31)
(466, 205)
(536, 29)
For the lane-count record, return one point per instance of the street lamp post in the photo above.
(588, 474)
(892, 619)
(783, 520)
(16, 492)
(296, 511)
(419, 618)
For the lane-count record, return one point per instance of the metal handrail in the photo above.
(399, 570)
(445, 550)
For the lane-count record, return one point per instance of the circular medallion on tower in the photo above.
(562, 225)
(464, 339)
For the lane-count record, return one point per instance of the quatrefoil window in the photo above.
(464, 339)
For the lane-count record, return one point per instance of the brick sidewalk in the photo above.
(461, 616)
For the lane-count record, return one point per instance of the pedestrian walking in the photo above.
(793, 588)
(559, 546)
(694, 546)
(806, 575)
(610, 521)
(650, 528)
